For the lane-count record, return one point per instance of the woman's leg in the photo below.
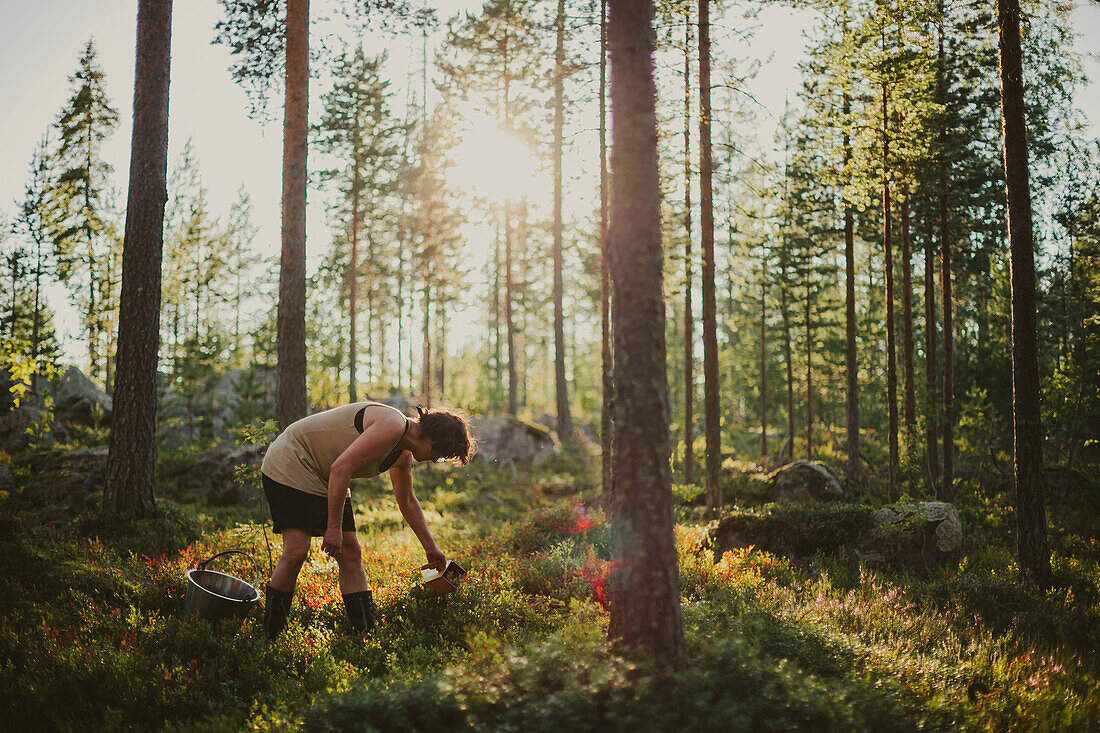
(280, 589)
(353, 585)
(295, 551)
(352, 577)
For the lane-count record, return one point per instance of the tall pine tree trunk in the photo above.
(353, 277)
(851, 367)
(907, 318)
(131, 455)
(93, 331)
(565, 420)
(290, 397)
(607, 404)
(689, 320)
(426, 343)
(931, 442)
(37, 316)
(947, 489)
(763, 351)
(710, 315)
(1031, 521)
(808, 313)
(498, 264)
(509, 321)
(644, 585)
(788, 449)
(891, 347)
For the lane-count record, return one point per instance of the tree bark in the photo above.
(947, 488)
(808, 314)
(509, 320)
(1031, 522)
(291, 402)
(907, 317)
(710, 316)
(689, 320)
(784, 308)
(763, 351)
(931, 443)
(565, 420)
(131, 455)
(891, 347)
(851, 367)
(353, 272)
(644, 586)
(607, 425)
(426, 342)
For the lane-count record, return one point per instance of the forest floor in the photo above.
(94, 638)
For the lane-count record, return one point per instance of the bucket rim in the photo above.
(204, 589)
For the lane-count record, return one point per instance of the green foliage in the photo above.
(16, 370)
(95, 638)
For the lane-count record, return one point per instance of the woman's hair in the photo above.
(449, 432)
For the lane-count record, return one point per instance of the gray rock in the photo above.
(502, 439)
(216, 472)
(30, 424)
(78, 400)
(7, 480)
(924, 536)
(803, 481)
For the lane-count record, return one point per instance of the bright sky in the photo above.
(40, 43)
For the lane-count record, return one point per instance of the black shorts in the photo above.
(294, 509)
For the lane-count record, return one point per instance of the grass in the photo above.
(801, 637)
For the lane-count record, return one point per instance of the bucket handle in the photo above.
(255, 583)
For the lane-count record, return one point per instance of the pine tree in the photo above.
(710, 328)
(645, 588)
(606, 337)
(132, 450)
(358, 130)
(76, 195)
(1031, 519)
(565, 420)
(33, 224)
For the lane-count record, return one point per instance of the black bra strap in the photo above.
(391, 457)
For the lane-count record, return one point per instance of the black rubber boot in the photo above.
(276, 610)
(360, 608)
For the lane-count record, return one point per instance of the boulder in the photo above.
(30, 423)
(924, 536)
(797, 531)
(502, 439)
(804, 481)
(78, 400)
(7, 480)
(216, 473)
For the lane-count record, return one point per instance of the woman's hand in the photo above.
(436, 558)
(332, 542)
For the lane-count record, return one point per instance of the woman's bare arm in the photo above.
(401, 480)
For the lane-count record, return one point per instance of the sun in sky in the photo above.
(494, 162)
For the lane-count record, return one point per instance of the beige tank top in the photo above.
(303, 454)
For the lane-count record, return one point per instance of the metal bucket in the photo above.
(214, 596)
